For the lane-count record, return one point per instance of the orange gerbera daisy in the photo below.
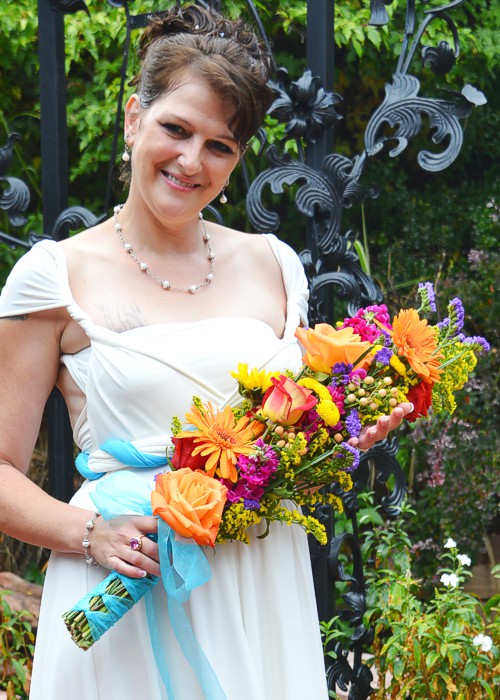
(416, 341)
(222, 438)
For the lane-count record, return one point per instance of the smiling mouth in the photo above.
(180, 183)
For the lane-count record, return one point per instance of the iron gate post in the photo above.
(320, 54)
(54, 164)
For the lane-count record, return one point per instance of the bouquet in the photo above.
(263, 460)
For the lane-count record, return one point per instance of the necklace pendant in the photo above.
(165, 284)
(193, 289)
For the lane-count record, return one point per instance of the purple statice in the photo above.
(255, 472)
(353, 423)
(480, 343)
(343, 371)
(383, 356)
(251, 503)
(355, 452)
(443, 324)
(427, 296)
(456, 315)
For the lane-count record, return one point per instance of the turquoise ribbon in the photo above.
(183, 567)
(125, 452)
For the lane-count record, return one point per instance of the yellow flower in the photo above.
(328, 412)
(253, 380)
(318, 388)
(326, 408)
(221, 438)
(396, 364)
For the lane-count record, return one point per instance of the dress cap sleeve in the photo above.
(295, 281)
(37, 282)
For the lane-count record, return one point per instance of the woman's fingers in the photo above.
(122, 544)
(382, 428)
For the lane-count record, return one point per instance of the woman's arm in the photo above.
(29, 365)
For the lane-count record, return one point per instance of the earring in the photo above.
(223, 198)
(126, 154)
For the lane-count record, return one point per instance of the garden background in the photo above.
(442, 227)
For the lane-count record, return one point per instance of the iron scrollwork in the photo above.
(69, 7)
(15, 199)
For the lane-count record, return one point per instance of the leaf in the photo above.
(470, 671)
(399, 667)
(417, 651)
(488, 689)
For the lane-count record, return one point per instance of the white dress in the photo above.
(256, 619)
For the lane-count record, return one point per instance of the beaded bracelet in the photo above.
(86, 544)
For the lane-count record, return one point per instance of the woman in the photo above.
(130, 319)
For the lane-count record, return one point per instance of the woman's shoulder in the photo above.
(268, 245)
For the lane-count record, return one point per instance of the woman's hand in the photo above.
(373, 433)
(110, 545)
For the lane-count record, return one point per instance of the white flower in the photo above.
(483, 641)
(450, 543)
(464, 559)
(487, 643)
(451, 580)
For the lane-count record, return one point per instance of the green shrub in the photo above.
(445, 647)
(16, 651)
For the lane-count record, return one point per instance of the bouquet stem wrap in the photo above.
(183, 565)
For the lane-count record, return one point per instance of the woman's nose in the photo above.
(191, 157)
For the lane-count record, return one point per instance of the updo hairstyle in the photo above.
(224, 53)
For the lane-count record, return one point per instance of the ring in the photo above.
(135, 543)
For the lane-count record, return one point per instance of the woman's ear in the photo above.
(132, 118)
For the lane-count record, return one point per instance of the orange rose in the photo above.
(285, 401)
(191, 502)
(325, 346)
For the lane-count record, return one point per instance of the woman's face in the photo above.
(182, 150)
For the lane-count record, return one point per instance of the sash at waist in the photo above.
(114, 455)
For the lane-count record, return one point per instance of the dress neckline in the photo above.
(84, 319)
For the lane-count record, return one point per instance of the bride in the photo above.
(130, 319)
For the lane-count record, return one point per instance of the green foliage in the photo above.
(445, 646)
(16, 651)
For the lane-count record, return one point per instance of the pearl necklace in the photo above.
(144, 267)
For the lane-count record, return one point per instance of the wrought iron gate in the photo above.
(326, 183)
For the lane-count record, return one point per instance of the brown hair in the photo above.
(225, 53)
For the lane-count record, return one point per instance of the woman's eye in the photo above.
(174, 129)
(222, 148)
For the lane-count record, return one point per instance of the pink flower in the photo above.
(285, 402)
